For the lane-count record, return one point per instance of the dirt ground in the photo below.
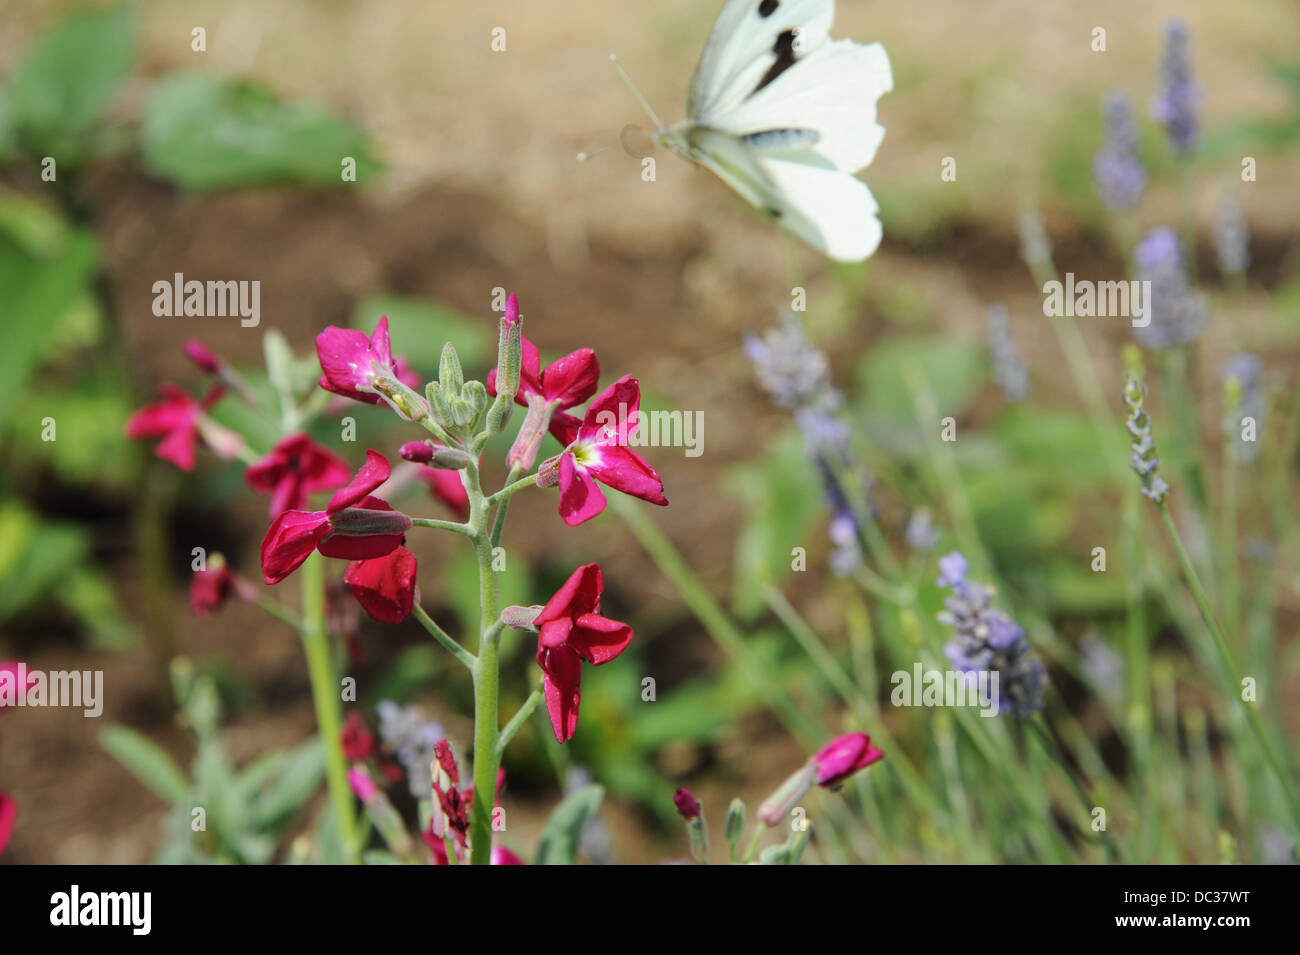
(661, 278)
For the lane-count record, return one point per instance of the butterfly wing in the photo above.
(784, 116)
(832, 91)
(828, 209)
(747, 44)
(831, 211)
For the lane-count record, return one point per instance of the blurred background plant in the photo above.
(170, 160)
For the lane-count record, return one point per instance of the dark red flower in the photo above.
(174, 419)
(570, 631)
(353, 526)
(358, 742)
(688, 807)
(384, 586)
(296, 467)
(211, 588)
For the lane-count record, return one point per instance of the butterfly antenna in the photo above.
(590, 153)
(645, 104)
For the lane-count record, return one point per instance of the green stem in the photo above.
(459, 652)
(499, 522)
(1229, 664)
(433, 522)
(748, 857)
(510, 729)
(487, 754)
(507, 492)
(281, 613)
(325, 696)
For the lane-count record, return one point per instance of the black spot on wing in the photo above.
(768, 7)
(784, 48)
(773, 212)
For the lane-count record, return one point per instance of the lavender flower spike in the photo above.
(1116, 168)
(1143, 459)
(1178, 314)
(1176, 107)
(987, 639)
(1009, 368)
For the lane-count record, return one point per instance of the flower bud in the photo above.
(369, 522)
(531, 434)
(548, 475)
(451, 378)
(421, 452)
(778, 805)
(520, 618)
(687, 805)
(402, 399)
(199, 353)
(510, 350)
(735, 821)
(842, 757)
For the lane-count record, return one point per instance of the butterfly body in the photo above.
(785, 116)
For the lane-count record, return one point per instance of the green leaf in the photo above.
(563, 833)
(293, 787)
(42, 275)
(34, 556)
(209, 132)
(782, 496)
(952, 369)
(62, 87)
(146, 761)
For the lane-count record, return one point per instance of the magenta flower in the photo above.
(842, 757)
(688, 807)
(503, 856)
(296, 467)
(571, 631)
(352, 362)
(202, 356)
(599, 454)
(175, 419)
(563, 384)
(8, 813)
(353, 526)
(384, 586)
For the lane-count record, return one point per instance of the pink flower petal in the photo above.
(580, 497)
(625, 470)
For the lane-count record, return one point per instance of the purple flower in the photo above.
(1176, 107)
(1177, 314)
(986, 639)
(1009, 368)
(1116, 168)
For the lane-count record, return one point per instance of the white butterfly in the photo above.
(785, 116)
